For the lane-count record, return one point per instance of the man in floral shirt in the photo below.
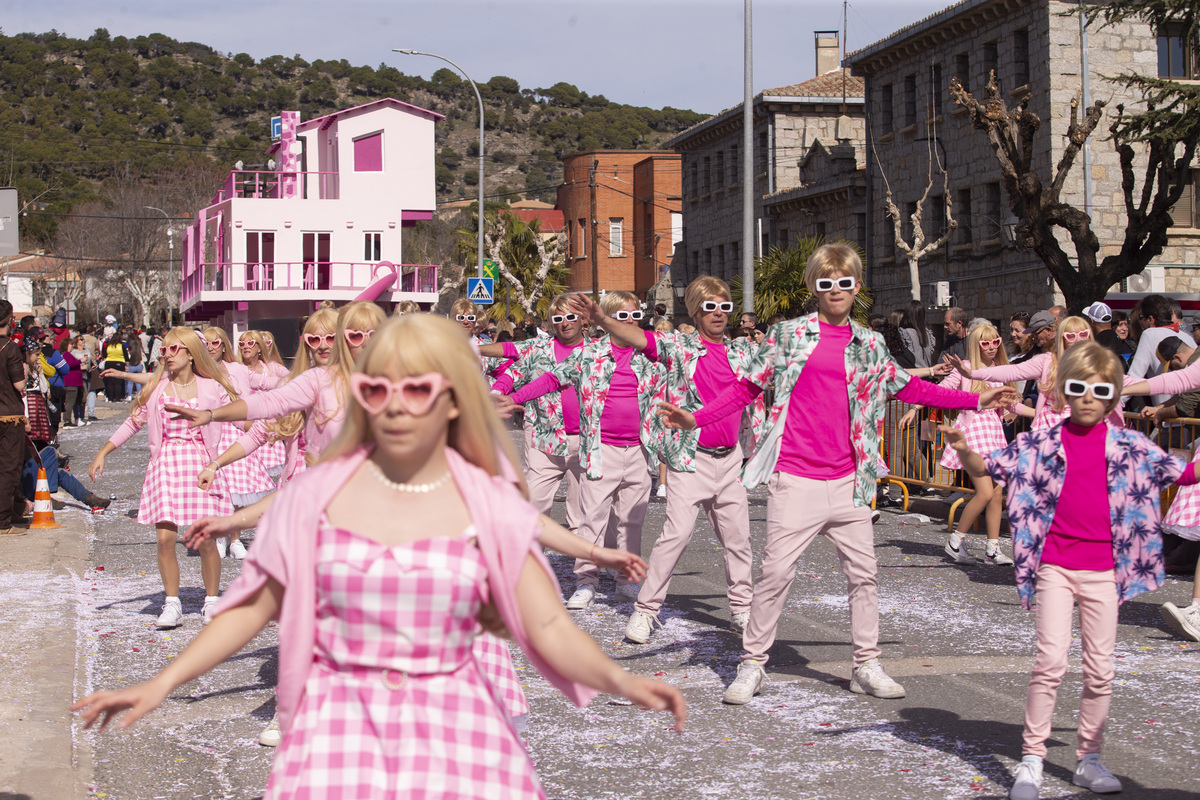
(704, 465)
(820, 457)
(552, 420)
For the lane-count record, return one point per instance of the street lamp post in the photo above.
(170, 264)
(479, 97)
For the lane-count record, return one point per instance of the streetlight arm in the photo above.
(170, 263)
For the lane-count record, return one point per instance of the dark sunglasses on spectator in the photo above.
(846, 284)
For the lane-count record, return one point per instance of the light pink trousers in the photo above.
(1058, 590)
(623, 491)
(797, 510)
(714, 486)
(543, 474)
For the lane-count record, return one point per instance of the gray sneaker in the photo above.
(869, 678)
(640, 626)
(749, 682)
(739, 622)
(271, 736)
(1091, 774)
(1185, 621)
(959, 554)
(583, 598)
(997, 558)
(1028, 779)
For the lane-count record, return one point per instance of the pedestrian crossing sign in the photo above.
(480, 291)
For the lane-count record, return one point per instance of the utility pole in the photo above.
(592, 234)
(748, 166)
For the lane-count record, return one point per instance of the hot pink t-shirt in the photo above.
(816, 434)
(1080, 534)
(621, 418)
(568, 396)
(713, 376)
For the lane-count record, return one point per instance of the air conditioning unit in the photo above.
(1151, 279)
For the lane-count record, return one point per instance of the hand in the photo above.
(210, 528)
(1149, 411)
(908, 419)
(628, 564)
(138, 700)
(997, 397)
(657, 695)
(505, 406)
(963, 368)
(112, 373)
(942, 368)
(955, 438)
(192, 415)
(96, 469)
(586, 308)
(205, 478)
(490, 620)
(675, 417)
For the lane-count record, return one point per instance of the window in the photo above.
(368, 153)
(991, 62)
(695, 262)
(260, 259)
(581, 239)
(616, 237)
(706, 176)
(819, 229)
(735, 164)
(372, 247)
(315, 252)
(1021, 57)
(860, 229)
(962, 70)
(708, 261)
(720, 170)
(1176, 55)
(906, 227)
(721, 258)
(760, 158)
(735, 255)
(910, 100)
(994, 210)
(784, 237)
(886, 113)
(1186, 211)
(695, 174)
(936, 225)
(936, 90)
(965, 223)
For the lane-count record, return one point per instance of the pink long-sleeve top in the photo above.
(209, 394)
(621, 420)
(568, 396)
(314, 391)
(1174, 382)
(817, 445)
(506, 529)
(1037, 368)
(270, 378)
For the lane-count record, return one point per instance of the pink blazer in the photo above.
(285, 548)
(209, 393)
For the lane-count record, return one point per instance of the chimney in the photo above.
(828, 54)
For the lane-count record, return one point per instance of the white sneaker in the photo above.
(206, 614)
(875, 515)
(222, 545)
(271, 736)
(662, 490)
(172, 614)
(1091, 774)
(997, 558)
(959, 553)
(749, 682)
(1028, 779)
(1185, 621)
(628, 591)
(640, 626)
(739, 622)
(869, 678)
(583, 598)
(237, 549)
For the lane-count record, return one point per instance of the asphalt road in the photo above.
(956, 638)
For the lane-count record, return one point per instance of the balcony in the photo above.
(271, 184)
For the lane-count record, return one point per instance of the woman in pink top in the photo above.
(266, 372)
(415, 487)
(170, 500)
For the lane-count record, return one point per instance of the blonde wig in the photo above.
(406, 307)
(1068, 325)
(1086, 359)
(832, 261)
(613, 302)
(202, 365)
(322, 323)
(227, 352)
(975, 352)
(706, 287)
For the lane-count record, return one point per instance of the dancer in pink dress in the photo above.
(170, 498)
(266, 372)
(379, 696)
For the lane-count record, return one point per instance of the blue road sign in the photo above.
(480, 291)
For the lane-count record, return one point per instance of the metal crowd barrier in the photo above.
(913, 454)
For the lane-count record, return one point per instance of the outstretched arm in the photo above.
(625, 334)
(972, 462)
(559, 539)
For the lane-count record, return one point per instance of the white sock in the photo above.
(992, 546)
(1196, 601)
(956, 540)
(174, 600)
(212, 597)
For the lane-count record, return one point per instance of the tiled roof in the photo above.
(828, 85)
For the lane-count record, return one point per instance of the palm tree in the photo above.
(531, 268)
(779, 281)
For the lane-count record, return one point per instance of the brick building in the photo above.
(637, 218)
(1032, 45)
(808, 179)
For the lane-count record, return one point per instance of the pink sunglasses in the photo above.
(1068, 336)
(991, 342)
(416, 394)
(314, 340)
(357, 338)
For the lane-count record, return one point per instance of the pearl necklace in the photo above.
(410, 488)
(183, 385)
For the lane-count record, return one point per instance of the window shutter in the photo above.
(1182, 213)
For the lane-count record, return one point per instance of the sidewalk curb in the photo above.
(43, 756)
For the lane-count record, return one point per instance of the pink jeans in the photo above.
(797, 510)
(1058, 590)
(543, 474)
(716, 488)
(623, 491)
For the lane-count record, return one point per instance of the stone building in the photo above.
(1032, 45)
(808, 178)
(637, 218)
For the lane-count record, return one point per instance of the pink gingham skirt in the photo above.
(169, 492)
(396, 704)
(245, 481)
(984, 432)
(1183, 517)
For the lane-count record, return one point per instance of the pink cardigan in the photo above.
(209, 393)
(285, 548)
(314, 391)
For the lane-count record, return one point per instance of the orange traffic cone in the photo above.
(43, 509)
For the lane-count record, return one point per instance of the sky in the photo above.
(655, 53)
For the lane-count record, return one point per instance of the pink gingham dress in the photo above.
(245, 481)
(169, 493)
(1183, 517)
(272, 455)
(396, 703)
(983, 430)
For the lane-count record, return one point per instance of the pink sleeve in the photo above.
(128, 428)
(503, 384)
(510, 350)
(1035, 367)
(545, 383)
(255, 438)
(1188, 476)
(732, 400)
(924, 393)
(261, 382)
(1176, 381)
(298, 395)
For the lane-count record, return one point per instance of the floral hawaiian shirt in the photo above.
(590, 369)
(871, 377)
(1034, 468)
(679, 353)
(543, 416)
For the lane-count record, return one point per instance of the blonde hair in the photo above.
(266, 352)
(559, 302)
(227, 353)
(202, 365)
(836, 260)
(464, 306)
(663, 326)
(322, 322)
(406, 307)
(706, 287)
(420, 344)
(1086, 359)
(1049, 386)
(975, 353)
(613, 302)
(357, 316)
